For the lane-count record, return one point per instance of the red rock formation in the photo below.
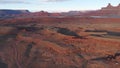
(111, 10)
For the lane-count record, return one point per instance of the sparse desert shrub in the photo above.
(95, 31)
(66, 32)
(31, 29)
(113, 33)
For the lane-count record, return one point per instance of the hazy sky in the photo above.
(56, 5)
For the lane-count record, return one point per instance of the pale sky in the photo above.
(56, 5)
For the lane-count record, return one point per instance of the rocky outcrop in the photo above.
(109, 10)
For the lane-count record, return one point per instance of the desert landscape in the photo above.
(60, 40)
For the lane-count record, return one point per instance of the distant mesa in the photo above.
(110, 7)
(111, 10)
(9, 12)
(108, 11)
(12, 13)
